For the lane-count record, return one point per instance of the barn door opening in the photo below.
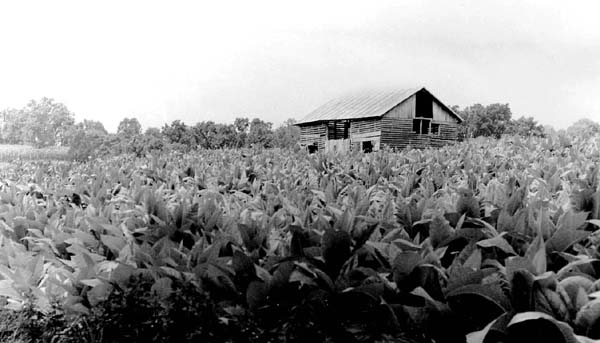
(421, 126)
(367, 146)
(313, 148)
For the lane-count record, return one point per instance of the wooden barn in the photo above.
(369, 121)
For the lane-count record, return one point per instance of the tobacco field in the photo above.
(483, 241)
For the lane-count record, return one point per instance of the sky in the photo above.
(159, 61)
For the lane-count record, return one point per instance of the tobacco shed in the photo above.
(370, 120)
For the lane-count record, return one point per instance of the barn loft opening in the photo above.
(424, 105)
(338, 129)
(367, 146)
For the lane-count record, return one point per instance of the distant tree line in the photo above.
(494, 120)
(48, 123)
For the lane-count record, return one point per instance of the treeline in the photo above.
(494, 120)
(48, 123)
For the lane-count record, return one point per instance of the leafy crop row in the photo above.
(484, 241)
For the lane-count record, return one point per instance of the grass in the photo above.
(9, 152)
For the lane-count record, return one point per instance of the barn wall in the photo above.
(398, 134)
(440, 114)
(337, 145)
(366, 130)
(405, 110)
(365, 126)
(393, 129)
(314, 133)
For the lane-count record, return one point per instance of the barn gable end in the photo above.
(412, 117)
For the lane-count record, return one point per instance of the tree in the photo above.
(525, 126)
(491, 120)
(260, 133)
(85, 145)
(205, 134)
(86, 139)
(151, 140)
(154, 139)
(180, 134)
(93, 126)
(13, 127)
(241, 128)
(40, 123)
(128, 135)
(87, 128)
(215, 136)
(287, 135)
(46, 123)
(129, 127)
(226, 136)
(583, 127)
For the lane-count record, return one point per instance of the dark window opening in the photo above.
(424, 105)
(313, 148)
(421, 126)
(338, 129)
(435, 129)
(367, 146)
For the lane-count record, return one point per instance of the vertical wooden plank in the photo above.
(440, 114)
(404, 110)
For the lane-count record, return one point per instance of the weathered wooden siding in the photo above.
(405, 110)
(391, 132)
(398, 134)
(441, 115)
(357, 145)
(316, 133)
(365, 126)
(337, 145)
(365, 130)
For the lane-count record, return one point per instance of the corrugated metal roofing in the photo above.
(362, 105)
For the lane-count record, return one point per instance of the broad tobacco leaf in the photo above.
(538, 327)
(256, 294)
(497, 242)
(440, 231)
(584, 265)
(99, 293)
(336, 246)
(587, 318)
(534, 260)
(567, 232)
(522, 290)
(403, 266)
(554, 302)
(479, 304)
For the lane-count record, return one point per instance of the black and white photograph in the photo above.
(411, 171)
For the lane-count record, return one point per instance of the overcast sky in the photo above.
(218, 60)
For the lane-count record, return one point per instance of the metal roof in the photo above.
(363, 105)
